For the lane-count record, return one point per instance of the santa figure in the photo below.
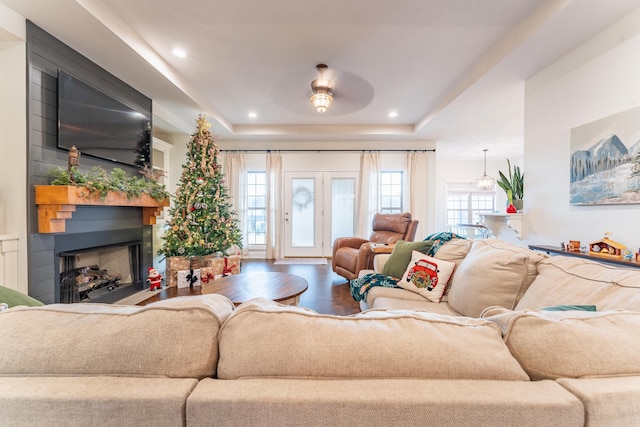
(154, 279)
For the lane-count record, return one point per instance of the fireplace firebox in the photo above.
(100, 274)
(102, 266)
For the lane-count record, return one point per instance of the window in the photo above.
(391, 192)
(257, 208)
(465, 203)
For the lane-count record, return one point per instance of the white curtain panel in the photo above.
(369, 192)
(417, 167)
(235, 173)
(274, 204)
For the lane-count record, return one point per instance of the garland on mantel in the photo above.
(97, 181)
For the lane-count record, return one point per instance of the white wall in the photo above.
(598, 79)
(13, 128)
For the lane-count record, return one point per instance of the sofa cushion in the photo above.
(173, 338)
(493, 273)
(575, 281)
(94, 400)
(392, 293)
(383, 402)
(611, 401)
(400, 257)
(454, 250)
(405, 304)
(575, 344)
(265, 339)
(427, 276)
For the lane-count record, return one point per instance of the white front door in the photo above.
(319, 206)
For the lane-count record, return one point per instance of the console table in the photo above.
(556, 250)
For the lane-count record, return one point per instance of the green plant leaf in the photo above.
(515, 182)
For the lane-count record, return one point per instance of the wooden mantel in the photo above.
(56, 203)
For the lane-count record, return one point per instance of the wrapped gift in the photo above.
(173, 265)
(210, 266)
(200, 261)
(208, 274)
(188, 278)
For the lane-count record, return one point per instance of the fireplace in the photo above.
(102, 274)
(100, 266)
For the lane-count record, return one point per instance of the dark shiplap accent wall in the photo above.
(45, 55)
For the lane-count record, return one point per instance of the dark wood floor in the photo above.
(328, 293)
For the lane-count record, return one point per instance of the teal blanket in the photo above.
(361, 286)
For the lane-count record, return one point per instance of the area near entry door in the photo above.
(319, 207)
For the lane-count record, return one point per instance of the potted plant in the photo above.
(513, 186)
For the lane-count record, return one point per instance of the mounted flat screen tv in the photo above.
(100, 125)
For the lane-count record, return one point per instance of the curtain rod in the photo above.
(327, 151)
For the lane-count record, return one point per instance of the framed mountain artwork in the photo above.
(605, 160)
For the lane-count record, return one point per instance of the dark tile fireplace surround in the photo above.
(116, 231)
(90, 226)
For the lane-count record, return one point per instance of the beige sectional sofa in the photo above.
(198, 361)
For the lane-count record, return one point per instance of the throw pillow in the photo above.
(13, 298)
(401, 255)
(494, 273)
(427, 276)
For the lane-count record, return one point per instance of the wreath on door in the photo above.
(302, 197)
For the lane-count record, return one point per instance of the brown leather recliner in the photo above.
(352, 254)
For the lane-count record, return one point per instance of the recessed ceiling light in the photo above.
(252, 115)
(393, 114)
(180, 53)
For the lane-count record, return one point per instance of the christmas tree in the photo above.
(202, 220)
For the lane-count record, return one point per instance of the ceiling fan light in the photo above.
(322, 96)
(321, 100)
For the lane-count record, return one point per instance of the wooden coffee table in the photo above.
(281, 287)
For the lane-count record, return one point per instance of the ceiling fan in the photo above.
(322, 96)
(349, 92)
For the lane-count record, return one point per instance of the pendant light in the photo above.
(486, 182)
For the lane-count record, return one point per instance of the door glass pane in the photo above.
(343, 195)
(302, 212)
